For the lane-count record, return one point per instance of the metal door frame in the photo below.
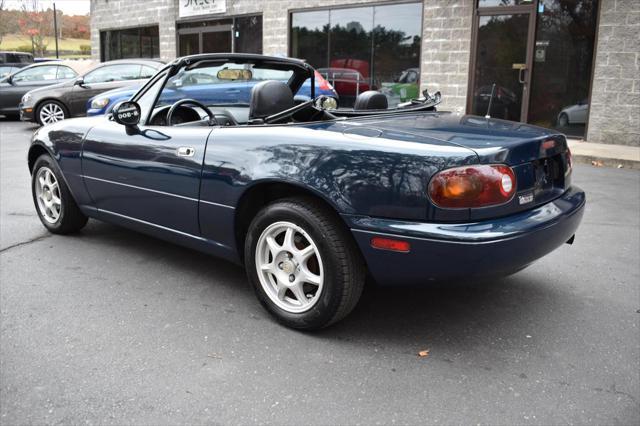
(531, 10)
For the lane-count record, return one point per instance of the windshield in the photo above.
(227, 84)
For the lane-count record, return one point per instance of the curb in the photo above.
(617, 163)
(605, 155)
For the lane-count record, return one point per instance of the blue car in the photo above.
(309, 198)
(228, 92)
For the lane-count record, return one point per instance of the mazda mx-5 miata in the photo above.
(311, 199)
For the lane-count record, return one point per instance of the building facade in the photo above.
(572, 65)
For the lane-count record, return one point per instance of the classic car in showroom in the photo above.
(311, 199)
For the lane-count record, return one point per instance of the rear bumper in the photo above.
(488, 248)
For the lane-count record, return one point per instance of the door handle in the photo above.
(521, 77)
(186, 151)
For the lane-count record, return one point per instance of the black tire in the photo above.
(70, 218)
(51, 104)
(344, 270)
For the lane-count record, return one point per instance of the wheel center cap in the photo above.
(288, 267)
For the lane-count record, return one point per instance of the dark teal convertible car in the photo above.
(310, 198)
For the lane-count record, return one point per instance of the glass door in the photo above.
(501, 62)
(204, 39)
(189, 44)
(216, 41)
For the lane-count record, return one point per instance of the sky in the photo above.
(69, 7)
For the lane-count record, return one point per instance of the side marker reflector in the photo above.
(390, 244)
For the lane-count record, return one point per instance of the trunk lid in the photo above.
(538, 156)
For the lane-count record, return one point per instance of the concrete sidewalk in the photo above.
(600, 154)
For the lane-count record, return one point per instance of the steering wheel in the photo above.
(212, 118)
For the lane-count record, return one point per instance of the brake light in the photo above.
(473, 186)
(322, 83)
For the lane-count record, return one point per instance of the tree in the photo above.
(35, 24)
(3, 26)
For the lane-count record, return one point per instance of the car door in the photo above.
(22, 81)
(152, 176)
(100, 80)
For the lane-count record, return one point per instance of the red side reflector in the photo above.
(389, 244)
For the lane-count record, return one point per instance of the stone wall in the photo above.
(118, 14)
(446, 47)
(614, 116)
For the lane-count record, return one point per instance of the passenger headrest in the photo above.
(268, 98)
(371, 99)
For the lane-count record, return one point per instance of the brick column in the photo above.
(446, 47)
(614, 116)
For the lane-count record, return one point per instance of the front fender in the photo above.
(63, 142)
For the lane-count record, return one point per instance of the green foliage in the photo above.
(85, 49)
(23, 48)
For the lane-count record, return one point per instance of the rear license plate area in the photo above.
(549, 174)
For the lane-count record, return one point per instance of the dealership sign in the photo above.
(201, 7)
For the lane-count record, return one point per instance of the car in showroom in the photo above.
(69, 99)
(309, 198)
(218, 93)
(574, 114)
(14, 86)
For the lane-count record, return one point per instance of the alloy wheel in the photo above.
(289, 267)
(51, 113)
(48, 195)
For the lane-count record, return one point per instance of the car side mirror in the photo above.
(79, 82)
(126, 113)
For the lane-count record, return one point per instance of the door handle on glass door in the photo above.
(521, 77)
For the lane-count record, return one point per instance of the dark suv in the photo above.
(10, 62)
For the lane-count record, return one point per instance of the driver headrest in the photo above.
(268, 98)
(371, 99)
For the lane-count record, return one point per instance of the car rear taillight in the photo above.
(322, 83)
(473, 186)
(569, 163)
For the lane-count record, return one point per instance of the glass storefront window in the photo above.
(143, 42)
(310, 37)
(248, 34)
(396, 59)
(562, 64)
(362, 48)
(496, 3)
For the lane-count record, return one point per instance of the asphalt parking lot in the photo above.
(114, 327)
